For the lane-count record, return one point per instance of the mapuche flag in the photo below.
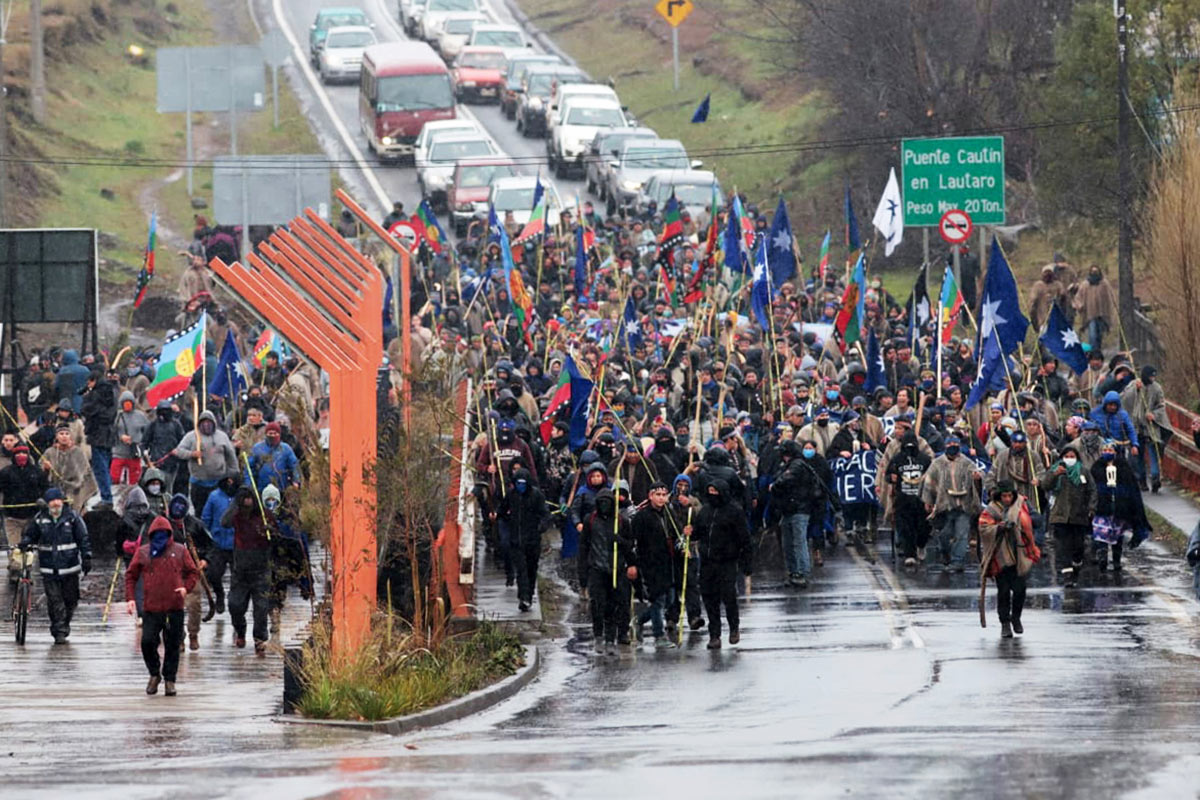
(695, 287)
(182, 355)
(672, 237)
(429, 229)
(848, 324)
(147, 274)
(951, 306)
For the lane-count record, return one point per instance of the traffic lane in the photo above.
(401, 182)
(818, 694)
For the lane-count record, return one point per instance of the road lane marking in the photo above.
(302, 64)
(895, 608)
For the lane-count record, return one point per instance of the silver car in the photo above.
(341, 57)
(605, 147)
(639, 160)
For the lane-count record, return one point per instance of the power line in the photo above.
(270, 162)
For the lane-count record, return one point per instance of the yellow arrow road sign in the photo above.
(674, 11)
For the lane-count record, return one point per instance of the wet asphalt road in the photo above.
(867, 684)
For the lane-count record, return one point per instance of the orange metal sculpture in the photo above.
(326, 298)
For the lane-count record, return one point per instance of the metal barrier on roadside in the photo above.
(1180, 458)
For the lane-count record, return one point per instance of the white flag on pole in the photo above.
(889, 216)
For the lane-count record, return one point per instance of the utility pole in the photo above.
(37, 63)
(1124, 170)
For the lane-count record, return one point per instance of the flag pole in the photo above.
(940, 344)
(1021, 419)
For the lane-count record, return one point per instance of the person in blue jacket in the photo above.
(220, 555)
(1115, 424)
(71, 381)
(273, 461)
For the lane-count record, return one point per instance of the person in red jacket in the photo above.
(168, 574)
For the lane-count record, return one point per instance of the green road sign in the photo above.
(965, 173)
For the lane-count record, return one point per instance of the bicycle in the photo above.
(23, 600)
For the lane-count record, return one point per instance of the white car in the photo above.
(453, 31)
(436, 167)
(516, 195)
(563, 92)
(578, 122)
(341, 57)
(637, 161)
(435, 10)
(498, 36)
(693, 188)
(439, 127)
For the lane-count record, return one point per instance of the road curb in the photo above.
(454, 710)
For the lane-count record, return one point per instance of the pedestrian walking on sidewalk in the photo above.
(250, 579)
(168, 574)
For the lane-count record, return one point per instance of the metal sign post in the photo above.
(276, 51)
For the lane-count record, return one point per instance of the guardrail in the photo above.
(1180, 458)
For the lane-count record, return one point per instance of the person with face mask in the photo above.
(1116, 424)
(682, 508)
(1146, 404)
(798, 493)
(22, 484)
(560, 462)
(249, 580)
(99, 412)
(160, 438)
(1071, 516)
(723, 537)
(1118, 508)
(290, 564)
(167, 574)
(154, 484)
(524, 513)
(904, 475)
(133, 529)
(654, 537)
(607, 565)
(220, 555)
(667, 458)
(190, 532)
(210, 456)
(64, 553)
(1096, 303)
(130, 426)
(1043, 295)
(67, 468)
(951, 495)
(1008, 552)
(821, 431)
(273, 461)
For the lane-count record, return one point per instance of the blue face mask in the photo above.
(522, 485)
(832, 394)
(809, 452)
(1108, 456)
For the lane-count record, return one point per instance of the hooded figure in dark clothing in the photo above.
(607, 564)
(724, 538)
(1119, 507)
(524, 511)
(654, 536)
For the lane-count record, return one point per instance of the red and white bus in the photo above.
(403, 86)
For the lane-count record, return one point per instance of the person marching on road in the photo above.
(1071, 516)
(64, 552)
(682, 508)
(905, 473)
(951, 496)
(250, 577)
(22, 485)
(524, 511)
(606, 567)
(168, 574)
(220, 555)
(185, 526)
(724, 538)
(654, 540)
(1009, 552)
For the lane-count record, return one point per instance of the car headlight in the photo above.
(332, 60)
(467, 84)
(535, 103)
(387, 140)
(631, 186)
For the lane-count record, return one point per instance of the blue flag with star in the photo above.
(495, 229)
(781, 258)
(760, 289)
(991, 366)
(737, 252)
(1000, 308)
(1061, 340)
(876, 374)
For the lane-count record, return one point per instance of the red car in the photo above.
(479, 74)
(467, 195)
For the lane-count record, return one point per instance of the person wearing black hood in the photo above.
(667, 457)
(190, 532)
(655, 539)
(718, 466)
(523, 510)
(607, 564)
(797, 494)
(560, 463)
(250, 577)
(99, 411)
(683, 508)
(161, 437)
(904, 474)
(724, 538)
